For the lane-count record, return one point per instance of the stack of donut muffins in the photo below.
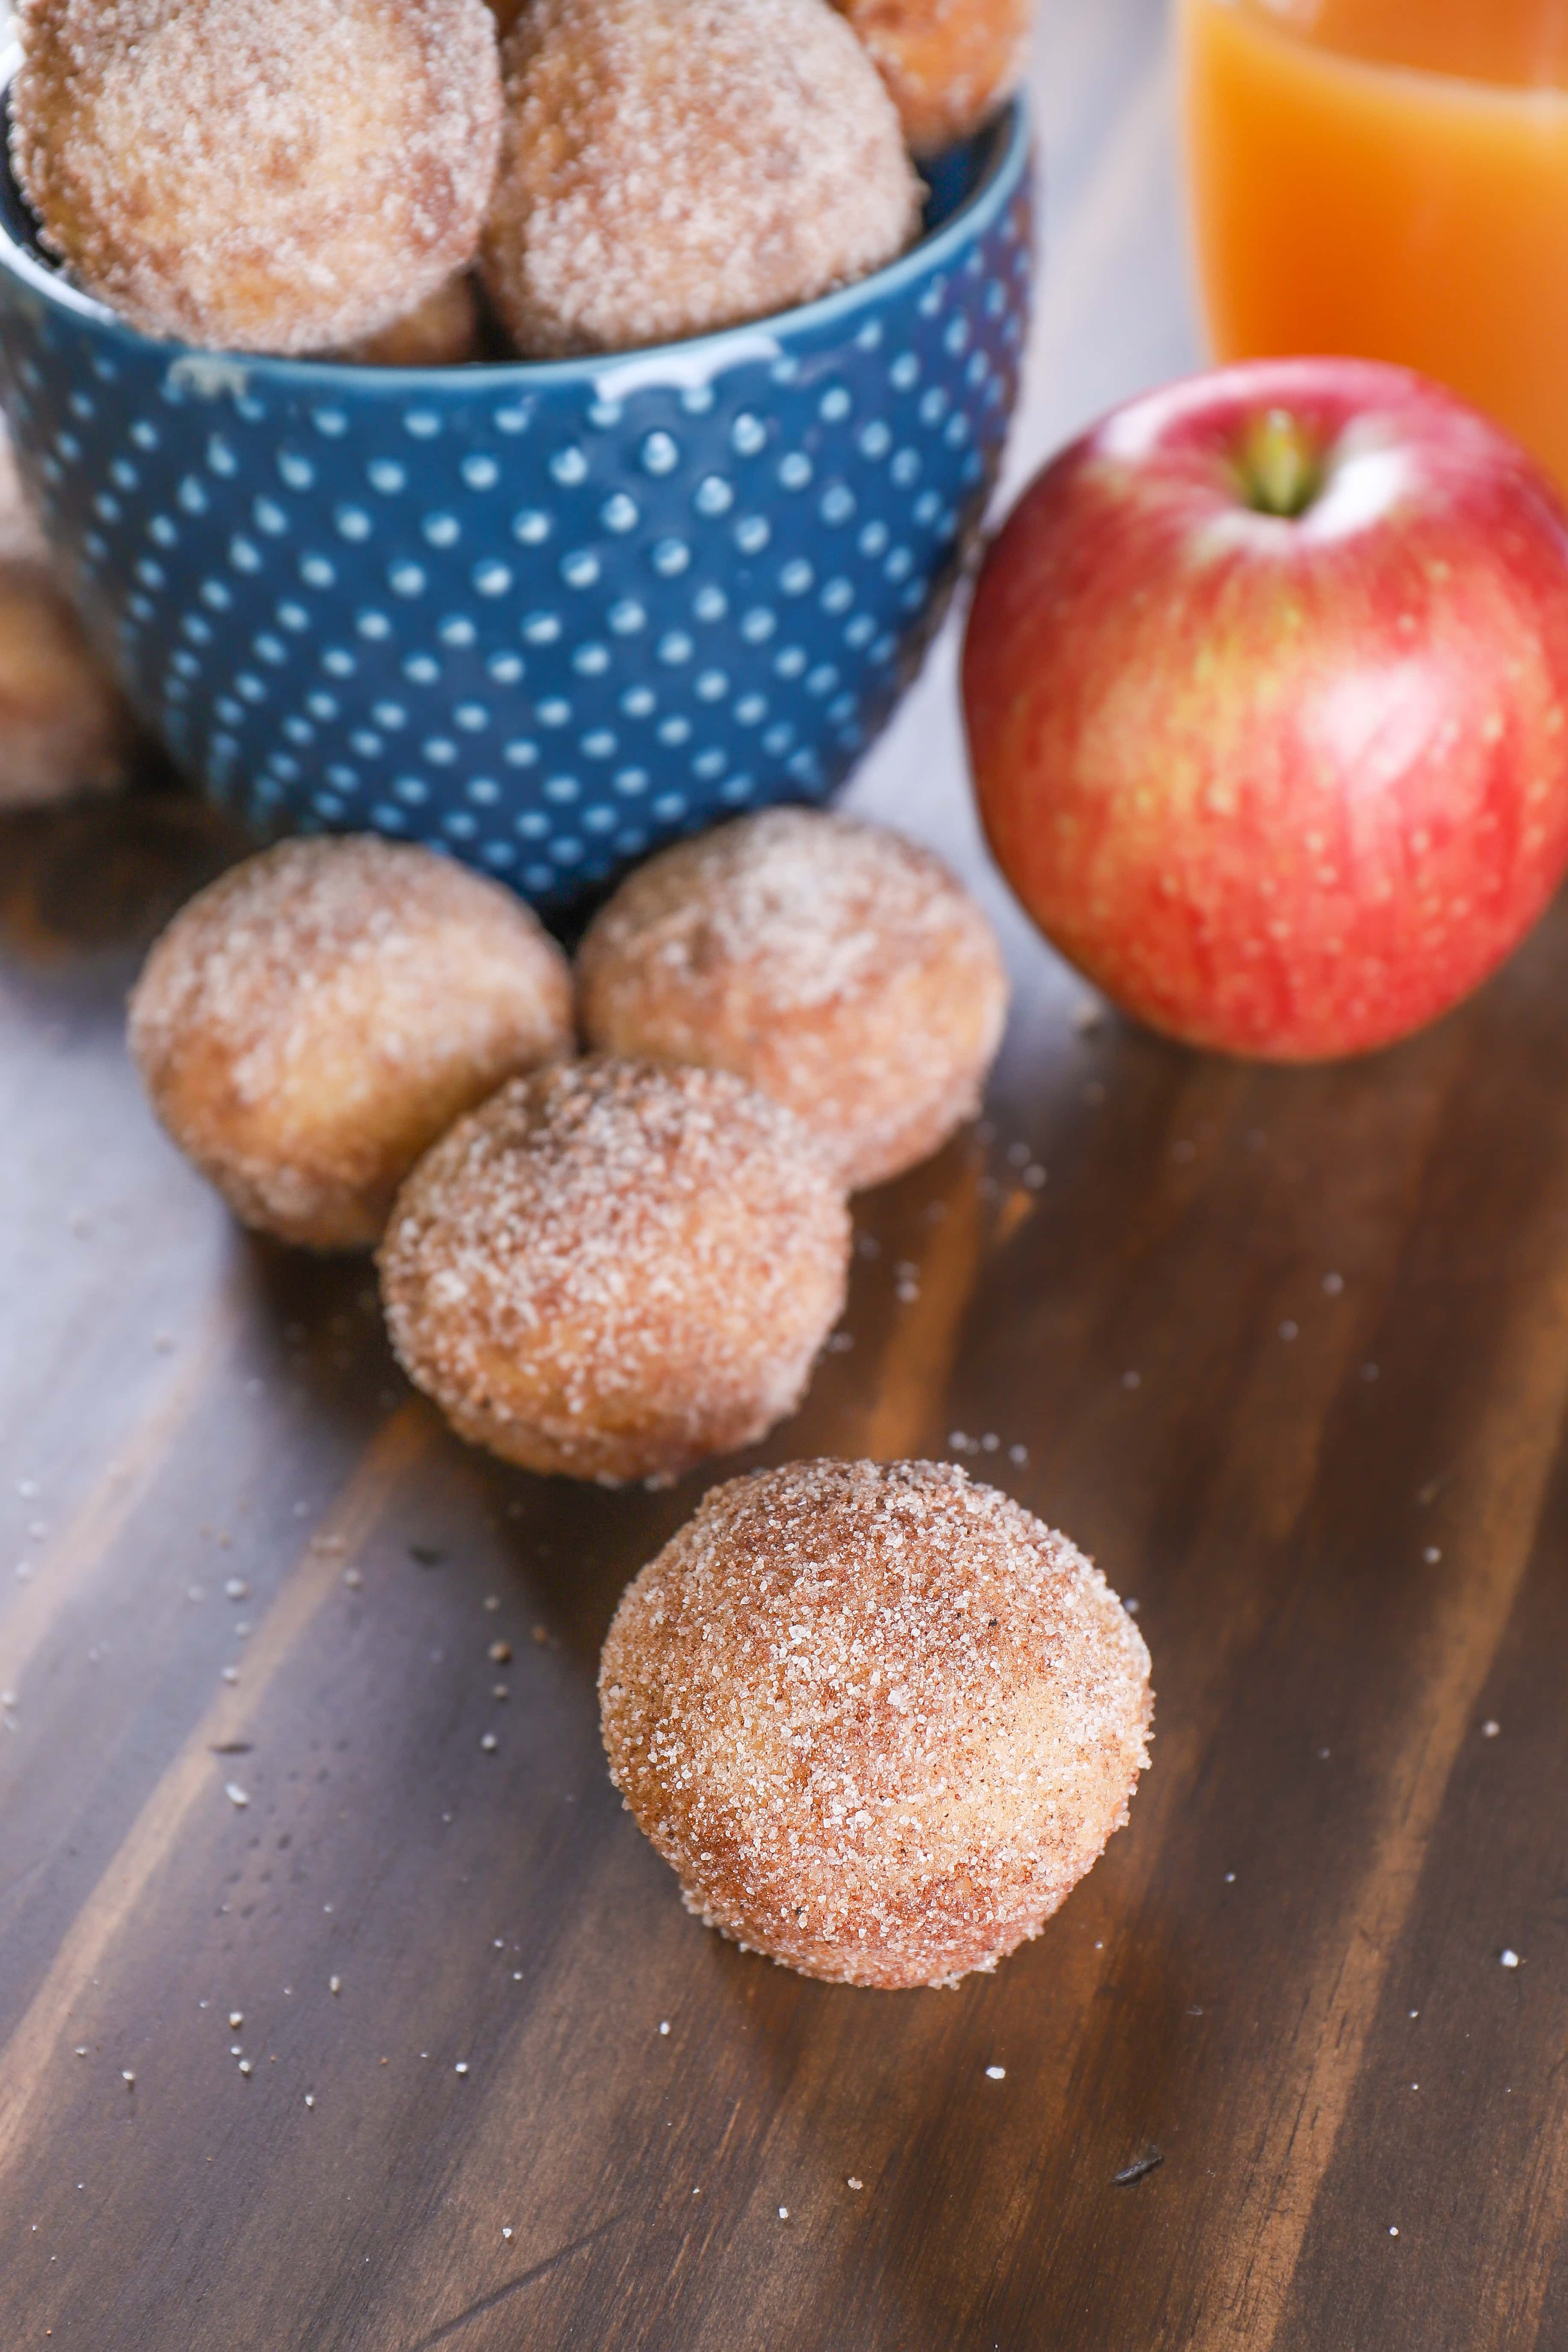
(424, 182)
(607, 1266)
(427, 182)
(878, 1718)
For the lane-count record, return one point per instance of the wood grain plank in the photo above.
(30, 1612)
(33, 2050)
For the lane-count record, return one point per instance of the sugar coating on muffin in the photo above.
(269, 175)
(65, 728)
(444, 331)
(611, 1270)
(837, 965)
(878, 1719)
(673, 166)
(315, 1018)
(947, 64)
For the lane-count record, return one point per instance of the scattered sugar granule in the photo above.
(783, 2212)
(997, 2074)
(237, 1797)
(664, 2025)
(236, 2019)
(1508, 1957)
(855, 2183)
(1491, 1727)
(334, 1984)
(490, 1743)
(461, 2067)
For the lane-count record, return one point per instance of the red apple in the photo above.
(1266, 685)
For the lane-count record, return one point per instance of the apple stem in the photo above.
(1279, 468)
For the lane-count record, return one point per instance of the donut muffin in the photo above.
(878, 1719)
(840, 968)
(316, 1017)
(65, 728)
(611, 1270)
(947, 64)
(444, 331)
(672, 166)
(263, 175)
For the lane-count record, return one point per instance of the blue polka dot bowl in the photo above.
(544, 617)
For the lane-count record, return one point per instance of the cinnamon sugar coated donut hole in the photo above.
(65, 727)
(878, 1720)
(316, 1017)
(948, 63)
(839, 966)
(266, 175)
(443, 331)
(673, 166)
(612, 1270)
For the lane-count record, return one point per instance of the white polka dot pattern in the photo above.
(544, 617)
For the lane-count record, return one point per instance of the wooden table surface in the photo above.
(1287, 1352)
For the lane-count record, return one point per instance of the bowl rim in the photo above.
(610, 375)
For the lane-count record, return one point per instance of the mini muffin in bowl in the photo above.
(545, 615)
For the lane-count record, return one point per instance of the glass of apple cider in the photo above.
(1388, 178)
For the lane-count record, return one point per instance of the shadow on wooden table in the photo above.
(96, 878)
